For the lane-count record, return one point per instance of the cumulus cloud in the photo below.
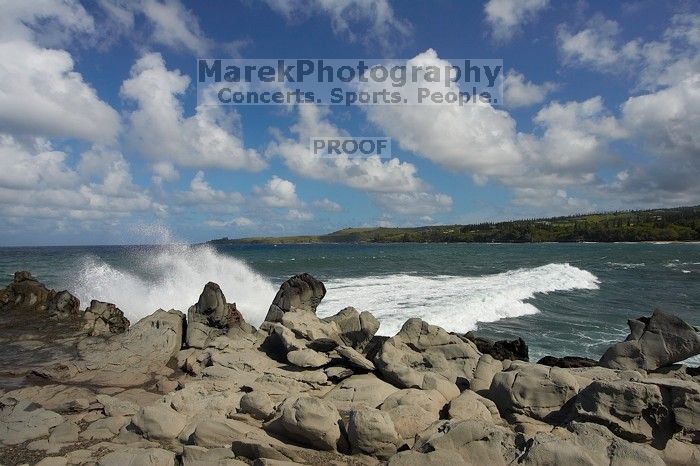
(518, 92)
(159, 129)
(278, 192)
(369, 174)
(39, 183)
(370, 22)
(506, 17)
(41, 94)
(201, 194)
(474, 137)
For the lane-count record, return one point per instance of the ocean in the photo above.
(562, 299)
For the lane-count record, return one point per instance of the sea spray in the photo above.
(172, 277)
(452, 302)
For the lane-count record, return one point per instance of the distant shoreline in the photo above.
(680, 225)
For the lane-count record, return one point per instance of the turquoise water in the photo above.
(563, 299)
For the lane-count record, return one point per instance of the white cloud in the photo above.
(369, 174)
(170, 23)
(506, 17)
(101, 187)
(41, 94)
(201, 194)
(327, 205)
(518, 92)
(240, 222)
(669, 119)
(164, 171)
(57, 21)
(474, 137)
(278, 192)
(299, 215)
(159, 129)
(420, 203)
(370, 22)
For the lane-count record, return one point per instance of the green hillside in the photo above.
(676, 224)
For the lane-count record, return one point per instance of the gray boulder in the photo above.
(474, 442)
(470, 405)
(307, 420)
(140, 456)
(413, 410)
(307, 358)
(359, 390)
(212, 317)
(372, 432)
(257, 404)
(104, 319)
(653, 342)
(160, 422)
(63, 305)
(356, 328)
(302, 292)
(420, 348)
(533, 390)
(354, 358)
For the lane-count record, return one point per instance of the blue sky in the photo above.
(102, 140)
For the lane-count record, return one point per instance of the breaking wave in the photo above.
(172, 277)
(452, 302)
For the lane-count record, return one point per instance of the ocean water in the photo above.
(563, 299)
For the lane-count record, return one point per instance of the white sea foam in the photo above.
(173, 277)
(452, 302)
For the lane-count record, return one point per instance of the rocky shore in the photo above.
(205, 387)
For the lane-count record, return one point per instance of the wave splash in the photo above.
(172, 277)
(452, 302)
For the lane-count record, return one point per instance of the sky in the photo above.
(102, 140)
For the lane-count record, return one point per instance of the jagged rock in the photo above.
(372, 432)
(470, 405)
(567, 362)
(159, 422)
(258, 404)
(359, 390)
(25, 292)
(354, 358)
(126, 360)
(653, 342)
(301, 292)
(28, 294)
(212, 317)
(474, 442)
(631, 410)
(338, 373)
(138, 456)
(413, 410)
(420, 348)
(307, 420)
(356, 329)
(306, 326)
(501, 349)
(104, 319)
(307, 358)
(24, 421)
(532, 389)
(682, 397)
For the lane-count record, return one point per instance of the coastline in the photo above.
(210, 388)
